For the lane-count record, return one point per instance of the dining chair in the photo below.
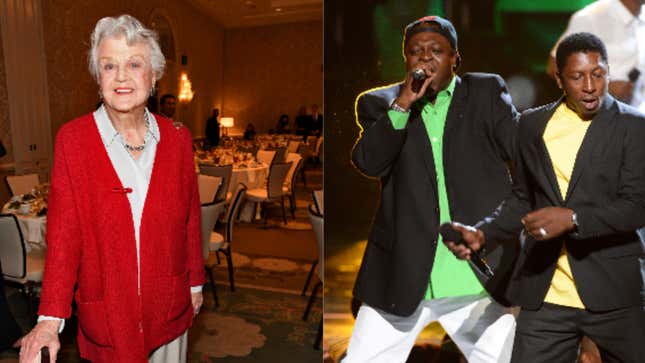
(290, 180)
(292, 146)
(273, 191)
(208, 186)
(22, 184)
(222, 171)
(311, 140)
(280, 155)
(317, 223)
(222, 243)
(319, 201)
(18, 266)
(306, 151)
(210, 213)
(265, 156)
(317, 153)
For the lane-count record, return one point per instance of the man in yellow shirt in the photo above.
(578, 198)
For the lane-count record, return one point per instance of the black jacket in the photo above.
(479, 141)
(607, 192)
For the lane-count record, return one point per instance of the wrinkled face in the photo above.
(584, 80)
(432, 52)
(170, 104)
(125, 74)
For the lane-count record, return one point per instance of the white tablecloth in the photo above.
(33, 228)
(251, 177)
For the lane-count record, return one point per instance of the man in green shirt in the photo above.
(440, 145)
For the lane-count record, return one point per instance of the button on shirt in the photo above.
(133, 173)
(449, 276)
(623, 35)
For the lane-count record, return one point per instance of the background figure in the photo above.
(620, 24)
(282, 127)
(212, 130)
(138, 276)
(167, 105)
(303, 123)
(440, 148)
(3, 150)
(249, 133)
(316, 121)
(578, 198)
(152, 104)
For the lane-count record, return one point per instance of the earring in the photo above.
(152, 91)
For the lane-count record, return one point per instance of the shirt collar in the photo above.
(451, 87)
(108, 132)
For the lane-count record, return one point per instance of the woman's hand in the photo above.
(44, 334)
(197, 299)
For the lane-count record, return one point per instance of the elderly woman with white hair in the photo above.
(124, 216)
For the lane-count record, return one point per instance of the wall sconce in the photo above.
(185, 89)
(226, 123)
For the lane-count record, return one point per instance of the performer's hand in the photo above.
(549, 222)
(44, 334)
(407, 95)
(197, 299)
(473, 237)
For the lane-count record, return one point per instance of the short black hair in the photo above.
(165, 97)
(579, 42)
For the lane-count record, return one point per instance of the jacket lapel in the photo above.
(543, 154)
(598, 127)
(417, 131)
(455, 110)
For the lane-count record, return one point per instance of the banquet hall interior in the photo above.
(260, 64)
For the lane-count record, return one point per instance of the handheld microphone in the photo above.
(418, 76)
(449, 234)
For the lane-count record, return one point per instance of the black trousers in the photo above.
(552, 334)
(9, 330)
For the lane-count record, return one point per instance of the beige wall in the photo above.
(72, 91)
(272, 70)
(5, 126)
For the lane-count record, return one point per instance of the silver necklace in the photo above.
(142, 146)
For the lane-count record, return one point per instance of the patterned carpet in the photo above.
(260, 322)
(256, 326)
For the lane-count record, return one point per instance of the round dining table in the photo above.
(32, 226)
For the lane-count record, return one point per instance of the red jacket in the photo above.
(91, 244)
